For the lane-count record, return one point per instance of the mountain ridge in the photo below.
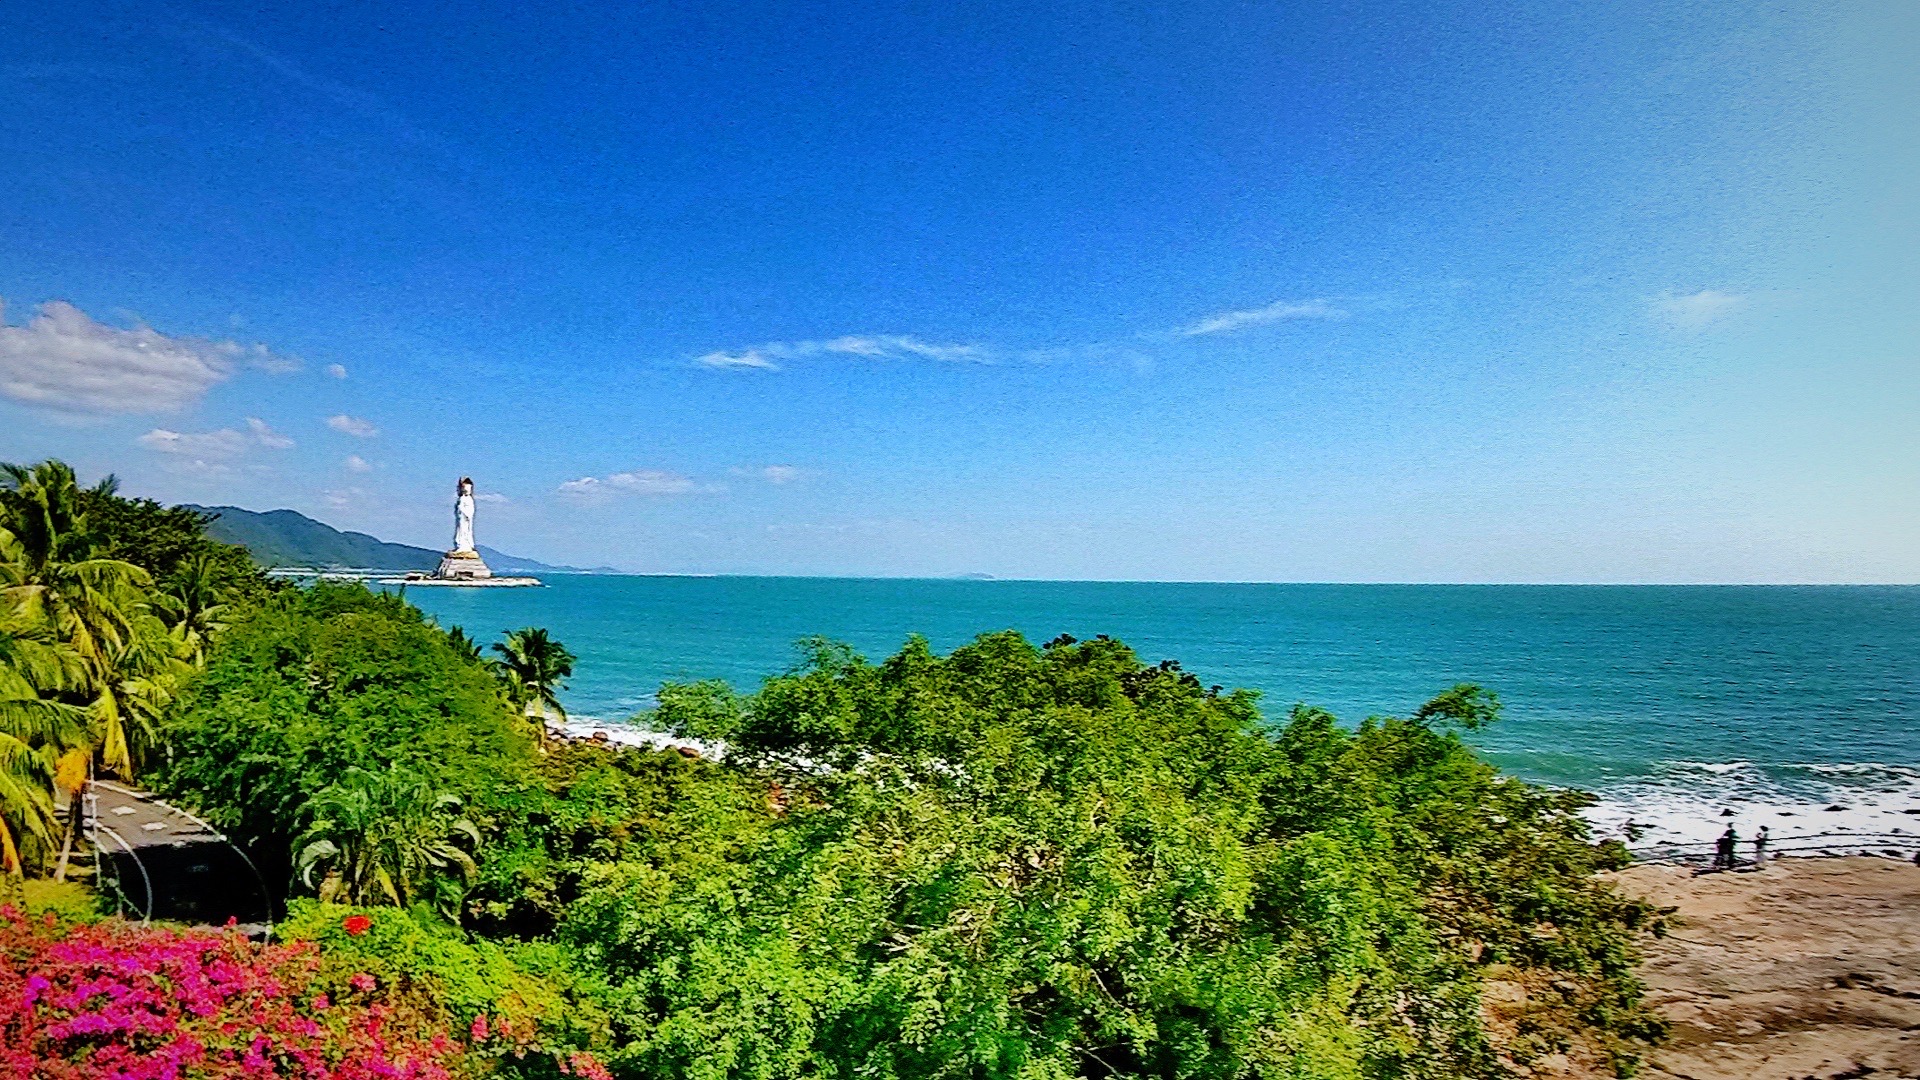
(288, 538)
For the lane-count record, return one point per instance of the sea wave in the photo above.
(626, 733)
(1687, 803)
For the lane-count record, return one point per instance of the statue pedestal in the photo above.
(462, 566)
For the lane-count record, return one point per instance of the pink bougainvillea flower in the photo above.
(479, 1029)
(362, 982)
(113, 1002)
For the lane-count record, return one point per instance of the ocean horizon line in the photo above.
(988, 579)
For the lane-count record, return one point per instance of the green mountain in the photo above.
(290, 538)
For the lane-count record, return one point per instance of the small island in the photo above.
(462, 565)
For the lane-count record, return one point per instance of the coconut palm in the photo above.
(386, 837)
(533, 669)
(98, 608)
(33, 730)
(194, 604)
(464, 646)
(49, 570)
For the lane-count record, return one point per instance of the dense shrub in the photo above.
(1061, 862)
(480, 984)
(596, 806)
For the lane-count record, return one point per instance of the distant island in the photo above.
(288, 538)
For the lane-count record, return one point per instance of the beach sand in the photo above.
(1808, 968)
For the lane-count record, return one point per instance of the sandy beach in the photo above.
(1808, 968)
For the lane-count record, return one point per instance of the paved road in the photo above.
(169, 864)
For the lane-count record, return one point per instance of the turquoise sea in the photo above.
(1674, 703)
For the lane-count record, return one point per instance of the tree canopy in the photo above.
(1061, 862)
(323, 681)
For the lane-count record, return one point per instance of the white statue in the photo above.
(463, 518)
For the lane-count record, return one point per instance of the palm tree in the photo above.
(33, 729)
(533, 669)
(97, 607)
(464, 646)
(387, 838)
(194, 603)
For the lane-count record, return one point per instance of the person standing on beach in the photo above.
(1723, 849)
(1760, 848)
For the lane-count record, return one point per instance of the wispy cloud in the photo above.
(214, 445)
(772, 474)
(266, 436)
(223, 444)
(768, 357)
(352, 425)
(1279, 311)
(491, 497)
(356, 463)
(338, 95)
(64, 359)
(336, 371)
(641, 482)
(1698, 309)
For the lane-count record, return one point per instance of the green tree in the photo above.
(318, 682)
(1061, 862)
(465, 646)
(533, 669)
(196, 602)
(387, 837)
(162, 540)
(33, 729)
(51, 574)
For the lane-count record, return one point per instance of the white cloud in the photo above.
(337, 371)
(205, 445)
(356, 463)
(257, 356)
(638, 482)
(63, 359)
(220, 445)
(491, 497)
(352, 425)
(1699, 309)
(748, 358)
(772, 474)
(866, 346)
(1280, 311)
(266, 436)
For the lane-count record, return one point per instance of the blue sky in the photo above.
(1351, 292)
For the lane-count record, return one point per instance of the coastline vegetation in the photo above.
(1014, 860)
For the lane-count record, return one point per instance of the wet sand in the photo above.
(1808, 968)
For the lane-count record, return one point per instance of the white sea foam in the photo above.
(626, 734)
(1816, 805)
